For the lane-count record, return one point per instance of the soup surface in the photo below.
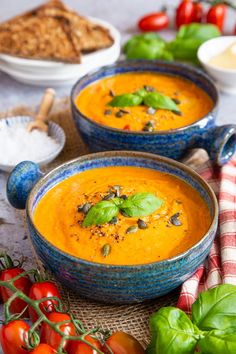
(179, 223)
(192, 101)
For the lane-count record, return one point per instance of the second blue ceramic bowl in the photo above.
(219, 141)
(102, 282)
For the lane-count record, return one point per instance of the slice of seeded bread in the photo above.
(52, 32)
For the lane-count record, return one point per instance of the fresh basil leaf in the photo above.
(159, 101)
(199, 31)
(215, 308)
(144, 37)
(126, 100)
(150, 50)
(101, 213)
(141, 92)
(185, 49)
(172, 332)
(141, 204)
(218, 342)
(144, 46)
(117, 201)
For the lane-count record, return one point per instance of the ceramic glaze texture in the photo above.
(172, 143)
(119, 284)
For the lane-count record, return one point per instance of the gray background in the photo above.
(124, 15)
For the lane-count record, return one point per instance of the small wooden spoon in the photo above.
(41, 118)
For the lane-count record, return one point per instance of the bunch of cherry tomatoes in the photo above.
(15, 331)
(188, 11)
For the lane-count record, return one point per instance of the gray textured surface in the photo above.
(123, 14)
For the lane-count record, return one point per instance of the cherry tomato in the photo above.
(184, 13)
(154, 22)
(49, 336)
(197, 12)
(78, 347)
(40, 290)
(43, 349)
(23, 284)
(216, 15)
(123, 343)
(14, 336)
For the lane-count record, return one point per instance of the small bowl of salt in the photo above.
(18, 144)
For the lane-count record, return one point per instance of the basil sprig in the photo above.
(137, 205)
(154, 99)
(212, 329)
(141, 204)
(126, 100)
(101, 213)
(158, 101)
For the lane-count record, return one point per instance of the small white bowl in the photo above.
(226, 78)
(55, 131)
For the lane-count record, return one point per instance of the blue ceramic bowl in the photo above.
(110, 283)
(220, 142)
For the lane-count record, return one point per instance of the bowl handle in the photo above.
(21, 181)
(220, 143)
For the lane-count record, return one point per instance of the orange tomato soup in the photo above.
(58, 219)
(193, 102)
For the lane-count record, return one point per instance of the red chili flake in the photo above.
(126, 127)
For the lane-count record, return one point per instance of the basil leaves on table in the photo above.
(184, 47)
(177, 334)
(199, 31)
(218, 342)
(147, 46)
(153, 99)
(212, 329)
(137, 205)
(216, 309)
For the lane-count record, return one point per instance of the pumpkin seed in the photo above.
(119, 114)
(132, 229)
(109, 196)
(149, 127)
(174, 219)
(124, 213)
(124, 111)
(176, 100)
(108, 112)
(80, 207)
(142, 224)
(117, 190)
(149, 88)
(114, 220)
(151, 111)
(178, 113)
(106, 250)
(124, 196)
(86, 207)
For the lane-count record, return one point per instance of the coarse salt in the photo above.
(17, 144)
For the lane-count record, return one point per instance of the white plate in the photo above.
(39, 72)
(55, 131)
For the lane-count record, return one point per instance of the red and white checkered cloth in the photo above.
(220, 266)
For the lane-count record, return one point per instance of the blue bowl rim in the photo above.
(184, 66)
(134, 154)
